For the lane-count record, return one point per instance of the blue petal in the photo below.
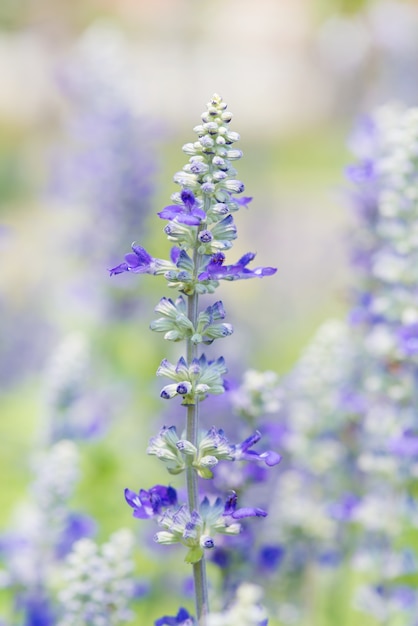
(119, 269)
(249, 512)
(270, 458)
(187, 196)
(170, 212)
(189, 220)
(132, 498)
(142, 254)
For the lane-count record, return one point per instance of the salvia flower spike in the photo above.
(200, 225)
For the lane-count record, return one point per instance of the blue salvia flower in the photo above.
(202, 227)
(216, 270)
(213, 446)
(205, 189)
(149, 503)
(195, 529)
(140, 262)
(188, 212)
(242, 452)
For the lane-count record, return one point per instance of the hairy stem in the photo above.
(192, 429)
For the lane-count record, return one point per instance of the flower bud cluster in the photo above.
(99, 582)
(209, 168)
(177, 326)
(213, 447)
(194, 381)
(201, 217)
(195, 529)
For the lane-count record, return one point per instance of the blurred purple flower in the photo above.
(408, 339)
(405, 445)
(183, 618)
(36, 609)
(146, 504)
(77, 526)
(344, 508)
(269, 557)
(362, 173)
(105, 162)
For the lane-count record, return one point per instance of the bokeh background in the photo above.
(96, 100)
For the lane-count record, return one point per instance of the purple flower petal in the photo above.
(188, 213)
(270, 458)
(170, 212)
(215, 270)
(139, 261)
(188, 198)
(249, 512)
(146, 504)
(243, 201)
(119, 269)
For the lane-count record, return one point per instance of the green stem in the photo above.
(192, 430)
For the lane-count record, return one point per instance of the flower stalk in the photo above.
(192, 429)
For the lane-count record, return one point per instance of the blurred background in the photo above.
(96, 99)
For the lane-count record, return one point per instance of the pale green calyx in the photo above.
(176, 326)
(178, 453)
(164, 447)
(195, 381)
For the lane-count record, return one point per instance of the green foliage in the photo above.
(327, 7)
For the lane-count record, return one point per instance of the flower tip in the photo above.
(119, 269)
(271, 458)
(260, 272)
